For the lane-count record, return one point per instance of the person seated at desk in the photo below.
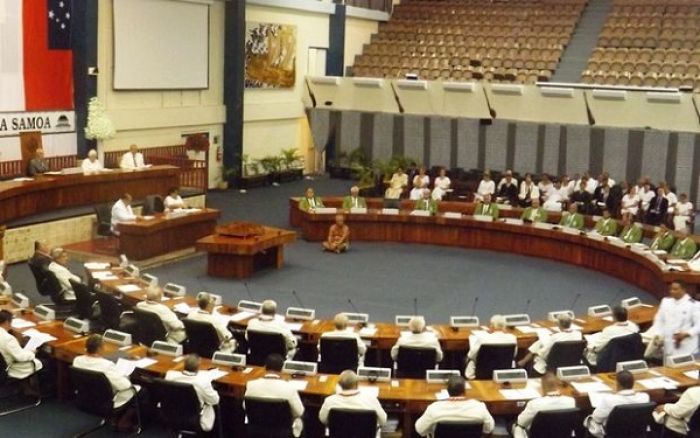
(631, 231)
(59, 267)
(664, 239)
(416, 192)
(507, 189)
(418, 337)
(132, 159)
(338, 239)
(354, 200)
(122, 212)
(310, 201)
(421, 179)
(426, 203)
(268, 323)
(551, 400)
(624, 395)
(685, 246)
(21, 363)
(456, 408)
(572, 218)
(37, 165)
(534, 213)
(528, 191)
(486, 208)
(91, 164)
(541, 348)
(350, 398)
(496, 335)
(207, 395)
(42, 257)
(175, 327)
(397, 183)
(486, 187)
(441, 185)
(272, 386)
(555, 199)
(606, 226)
(620, 327)
(675, 416)
(342, 331)
(204, 314)
(630, 202)
(173, 201)
(658, 207)
(682, 213)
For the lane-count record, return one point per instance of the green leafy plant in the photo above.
(271, 164)
(289, 158)
(357, 158)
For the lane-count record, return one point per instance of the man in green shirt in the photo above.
(663, 241)
(685, 246)
(572, 218)
(606, 226)
(486, 208)
(310, 201)
(426, 203)
(534, 213)
(631, 232)
(354, 200)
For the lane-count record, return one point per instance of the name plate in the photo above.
(483, 218)
(325, 210)
(544, 225)
(505, 207)
(595, 236)
(390, 211)
(358, 210)
(617, 242)
(452, 215)
(570, 230)
(424, 213)
(513, 221)
(638, 248)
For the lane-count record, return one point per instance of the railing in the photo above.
(15, 168)
(112, 158)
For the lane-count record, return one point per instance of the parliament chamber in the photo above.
(350, 218)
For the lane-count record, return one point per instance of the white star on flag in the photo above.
(61, 4)
(68, 15)
(51, 14)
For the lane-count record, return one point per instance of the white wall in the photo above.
(358, 32)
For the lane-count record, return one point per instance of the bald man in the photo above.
(551, 400)
(175, 327)
(91, 164)
(354, 200)
(342, 331)
(132, 159)
(351, 398)
(418, 337)
(496, 335)
(268, 323)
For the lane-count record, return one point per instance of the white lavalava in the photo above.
(99, 127)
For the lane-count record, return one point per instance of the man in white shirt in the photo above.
(267, 322)
(122, 212)
(496, 335)
(621, 327)
(678, 321)
(418, 337)
(273, 386)
(541, 348)
(351, 398)
(486, 187)
(545, 187)
(132, 159)
(682, 213)
(21, 363)
(551, 400)
(204, 314)
(93, 361)
(174, 327)
(343, 332)
(675, 416)
(456, 408)
(91, 164)
(556, 198)
(59, 267)
(207, 395)
(625, 395)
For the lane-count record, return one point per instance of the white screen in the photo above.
(160, 44)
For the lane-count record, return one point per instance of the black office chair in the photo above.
(352, 423)
(458, 429)
(179, 407)
(39, 277)
(202, 338)
(149, 327)
(11, 390)
(493, 357)
(104, 220)
(85, 300)
(620, 349)
(412, 362)
(565, 354)
(629, 421)
(694, 425)
(112, 314)
(94, 395)
(153, 204)
(268, 418)
(262, 344)
(561, 423)
(338, 355)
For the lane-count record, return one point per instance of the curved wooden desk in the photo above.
(580, 250)
(24, 198)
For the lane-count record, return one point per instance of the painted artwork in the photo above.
(270, 55)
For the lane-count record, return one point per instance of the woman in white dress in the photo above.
(399, 180)
(486, 187)
(442, 185)
(421, 179)
(630, 202)
(173, 201)
(528, 191)
(682, 213)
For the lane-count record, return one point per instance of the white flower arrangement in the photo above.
(99, 127)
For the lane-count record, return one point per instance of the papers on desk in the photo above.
(590, 387)
(693, 374)
(96, 266)
(53, 172)
(530, 329)
(23, 179)
(369, 390)
(19, 323)
(520, 394)
(368, 331)
(183, 308)
(104, 275)
(240, 316)
(299, 385)
(659, 383)
(127, 367)
(128, 288)
(148, 218)
(214, 374)
(676, 261)
(294, 326)
(596, 398)
(36, 339)
(442, 395)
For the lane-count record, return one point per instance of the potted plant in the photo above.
(251, 174)
(290, 163)
(271, 165)
(356, 163)
(337, 167)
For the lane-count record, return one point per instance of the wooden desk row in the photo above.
(634, 267)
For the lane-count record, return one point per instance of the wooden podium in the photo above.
(239, 249)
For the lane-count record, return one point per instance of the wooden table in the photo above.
(53, 192)
(240, 257)
(576, 249)
(145, 239)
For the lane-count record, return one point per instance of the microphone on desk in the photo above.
(354, 309)
(619, 293)
(527, 306)
(476, 300)
(573, 303)
(296, 296)
(415, 306)
(250, 295)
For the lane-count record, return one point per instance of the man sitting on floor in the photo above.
(338, 239)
